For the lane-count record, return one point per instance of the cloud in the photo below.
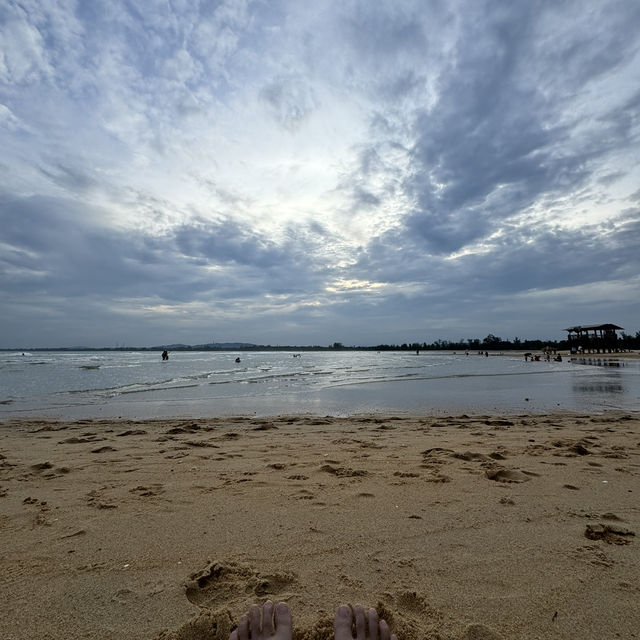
(290, 100)
(493, 143)
(9, 120)
(23, 55)
(382, 170)
(66, 249)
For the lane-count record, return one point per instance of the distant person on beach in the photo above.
(275, 623)
(165, 355)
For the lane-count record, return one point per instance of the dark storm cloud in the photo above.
(518, 263)
(56, 247)
(60, 248)
(226, 241)
(555, 260)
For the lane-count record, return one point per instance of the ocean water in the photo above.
(74, 385)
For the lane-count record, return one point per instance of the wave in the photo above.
(451, 376)
(180, 386)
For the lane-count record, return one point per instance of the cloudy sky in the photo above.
(297, 172)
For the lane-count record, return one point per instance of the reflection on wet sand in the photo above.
(603, 387)
(612, 382)
(599, 362)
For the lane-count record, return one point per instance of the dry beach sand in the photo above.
(462, 527)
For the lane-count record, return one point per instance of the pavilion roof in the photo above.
(592, 327)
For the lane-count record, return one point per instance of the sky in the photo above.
(292, 172)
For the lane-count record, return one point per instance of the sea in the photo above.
(74, 385)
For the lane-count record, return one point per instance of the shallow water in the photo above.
(139, 385)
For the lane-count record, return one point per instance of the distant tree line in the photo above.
(494, 343)
(491, 342)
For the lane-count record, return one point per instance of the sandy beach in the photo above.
(455, 527)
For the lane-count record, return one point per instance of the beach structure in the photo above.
(594, 338)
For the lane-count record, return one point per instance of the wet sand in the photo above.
(454, 527)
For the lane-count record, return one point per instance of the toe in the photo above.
(342, 623)
(361, 625)
(234, 635)
(372, 621)
(243, 628)
(283, 621)
(385, 634)
(267, 618)
(255, 626)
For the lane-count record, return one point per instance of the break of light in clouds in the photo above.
(289, 172)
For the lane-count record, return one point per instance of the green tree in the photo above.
(491, 341)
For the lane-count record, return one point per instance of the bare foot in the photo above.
(367, 624)
(268, 623)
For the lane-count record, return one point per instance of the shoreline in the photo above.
(458, 527)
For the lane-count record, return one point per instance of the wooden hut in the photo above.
(594, 338)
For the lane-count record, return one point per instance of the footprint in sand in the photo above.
(131, 432)
(612, 516)
(148, 492)
(51, 471)
(502, 474)
(438, 478)
(173, 456)
(265, 427)
(410, 616)
(470, 456)
(611, 534)
(229, 583)
(343, 472)
(208, 625)
(41, 466)
(229, 436)
(94, 499)
(593, 555)
(184, 428)
(77, 440)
